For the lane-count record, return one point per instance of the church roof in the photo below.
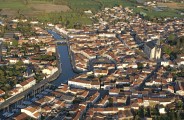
(150, 44)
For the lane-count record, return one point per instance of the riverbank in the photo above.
(72, 59)
(44, 82)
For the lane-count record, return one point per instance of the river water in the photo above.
(66, 66)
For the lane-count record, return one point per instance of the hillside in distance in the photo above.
(35, 7)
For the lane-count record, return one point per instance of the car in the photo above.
(15, 110)
(34, 99)
(27, 102)
(9, 115)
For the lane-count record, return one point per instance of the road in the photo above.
(21, 95)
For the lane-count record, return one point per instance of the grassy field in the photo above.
(12, 4)
(47, 10)
(10, 7)
(171, 11)
(173, 5)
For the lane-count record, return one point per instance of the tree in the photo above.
(167, 49)
(137, 118)
(141, 112)
(15, 43)
(180, 104)
(147, 112)
(171, 37)
(67, 23)
(171, 114)
(111, 101)
(140, 65)
(178, 115)
(154, 111)
(2, 73)
(180, 42)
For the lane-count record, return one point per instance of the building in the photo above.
(27, 83)
(79, 83)
(49, 70)
(33, 112)
(180, 88)
(2, 93)
(152, 49)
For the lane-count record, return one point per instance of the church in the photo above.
(153, 49)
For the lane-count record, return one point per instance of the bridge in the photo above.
(61, 41)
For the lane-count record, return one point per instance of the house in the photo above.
(135, 106)
(103, 102)
(68, 98)
(147, 101)
(108, 86)
(25, 61)
(169, 78)
(45, 100)
(114, 92)
(180, 88)
(83, 95)
(41, 102)
(105, 111)
(122, 82)
(51, 48)
(79, 83)
(121, 100)
(46, 109)
(27, 83)
(165, 63)
(15, 91)
(1, 100)
(13, 60)
(49, 70)
(58, 104)
(95, 85)
(162, 110)
(125, 115)
(152, 50)
(2, 93)
(99, 72)
(171, 88)
(21, 116)
(32, 111)
(94, 98)
(79, 111)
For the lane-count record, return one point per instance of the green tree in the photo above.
(140, 65)
(180, 104)
(171, 37)
(110, 101)
(15, 43)
(167, 49)
(141, 112)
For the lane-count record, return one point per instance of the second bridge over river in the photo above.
(61, 41)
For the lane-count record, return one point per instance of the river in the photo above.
(66, 66)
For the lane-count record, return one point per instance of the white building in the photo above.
(27, 83)
(49, 70)
(98, 72)
(152, 50)
(33, 112)
(79, 83)
(180, 88)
